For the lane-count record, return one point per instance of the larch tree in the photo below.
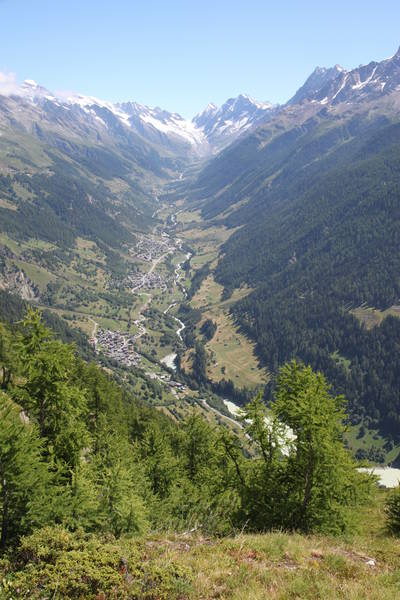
(25, 480)
(321, 479)
(48, 392)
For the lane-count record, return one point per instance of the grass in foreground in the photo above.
(280, 566)
(275, 566)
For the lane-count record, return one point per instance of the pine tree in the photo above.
(25, 479)
(265, 492)
(392, 510)
(80, 502)
(160, 465)
(200, 363)
(197, 443)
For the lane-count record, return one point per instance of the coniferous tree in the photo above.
(265, 496)
(200, 363)
(160, 464)
(392, 510)
(48, 392)
(121, 484)
(25, 480)
(8, 358)
(321, 478)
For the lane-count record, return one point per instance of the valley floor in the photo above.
(127, 302)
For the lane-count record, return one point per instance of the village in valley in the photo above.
(152, 247)
(121, 346)
(145, 281)
(118, 346)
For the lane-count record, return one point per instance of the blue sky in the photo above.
(183, 54)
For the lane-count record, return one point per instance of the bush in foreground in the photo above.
(55, 563)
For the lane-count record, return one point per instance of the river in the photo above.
(169, 360)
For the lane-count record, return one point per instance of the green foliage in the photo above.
(392, 510)
(60, 564)
(92, 458)
(196, 444)
(208, 329)
(86, 433)
(204, 495)
(321, 478)
(7, 357)
(161, 465)
(48, 393)
(120, 482)
(80, 504)
(302, 477)
(25, 479)
(13, 309)
(199, 367)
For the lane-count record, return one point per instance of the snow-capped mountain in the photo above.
(206, 133)
(318, 78)
(368, 81)
(162, 126)
(223, 125)
(336, 85)
(30, 89)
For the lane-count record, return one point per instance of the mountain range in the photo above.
(206, 133)
(154, 130)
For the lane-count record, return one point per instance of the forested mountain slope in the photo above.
(316, 197)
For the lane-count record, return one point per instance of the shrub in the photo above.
(55, 563)
(392, 510)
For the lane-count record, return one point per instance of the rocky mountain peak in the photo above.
(320, 77)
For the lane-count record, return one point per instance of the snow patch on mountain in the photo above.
(170, 124)
(88, 102)
(236, 116)
(366, 82)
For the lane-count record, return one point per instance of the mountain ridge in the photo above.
(364, 82)
(206, 133)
